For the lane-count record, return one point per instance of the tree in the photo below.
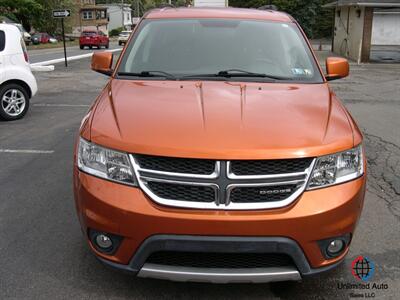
(316, 21)
(45, 22)
(24, 11)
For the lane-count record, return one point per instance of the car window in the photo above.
(88, 33)
(2, 40)
(206, 46)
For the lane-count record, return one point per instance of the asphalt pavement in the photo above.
(40, 55)
(43, 252)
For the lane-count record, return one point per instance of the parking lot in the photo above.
(43, 253)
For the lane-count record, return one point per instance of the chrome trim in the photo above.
(232, 175)
(173, 202)
(273, 204)
(251, 275)
(218, 204)
(213, 175)
(214, 186)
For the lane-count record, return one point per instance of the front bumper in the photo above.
(219, 244)
(128, 212)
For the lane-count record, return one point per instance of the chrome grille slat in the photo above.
(173, 165)
(223, 182)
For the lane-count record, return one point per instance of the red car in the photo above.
(40, 38)
(94, 39)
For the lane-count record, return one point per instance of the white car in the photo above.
(17, 83)
(27, 37)
(123, 37)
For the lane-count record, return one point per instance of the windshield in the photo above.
(89, 33)
(188, 47)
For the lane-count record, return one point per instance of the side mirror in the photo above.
(336, 68)
(102, 62)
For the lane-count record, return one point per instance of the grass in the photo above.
(55, 45)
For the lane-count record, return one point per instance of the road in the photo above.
(40, 55)
(44, 255)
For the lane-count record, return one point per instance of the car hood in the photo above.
(220, 120)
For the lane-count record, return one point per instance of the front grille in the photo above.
(182, 192)
(262, 193)
(220, 260)
(230, 185)
(176, 165)
(269, 167)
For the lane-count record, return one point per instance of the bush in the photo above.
(116, 31)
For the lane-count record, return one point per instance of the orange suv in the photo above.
(218, 152)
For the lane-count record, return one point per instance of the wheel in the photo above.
(81, 46)
(107, 45)
(14, 102)
(119, 43)
(90, 47)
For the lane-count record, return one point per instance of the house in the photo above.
(119, 15)
(363, 27)
(89, 15)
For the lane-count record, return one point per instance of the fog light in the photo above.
(103, 241)
(335, 247)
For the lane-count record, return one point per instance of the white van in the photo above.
(17, 83)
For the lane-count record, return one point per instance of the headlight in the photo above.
(337, 168)
(105, 163)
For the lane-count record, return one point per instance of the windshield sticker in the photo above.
(298, 71)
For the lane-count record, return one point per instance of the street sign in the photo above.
(61, 13)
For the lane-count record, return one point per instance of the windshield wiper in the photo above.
(149, 74)
(243, 73)
(237, 73)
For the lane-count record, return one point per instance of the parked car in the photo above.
(40, 38)
(27, 37)
(17, 83)
(217, 152)
(123, 37)
(92, 39)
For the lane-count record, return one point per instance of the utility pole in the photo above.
(122, 13)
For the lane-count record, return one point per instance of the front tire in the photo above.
(81, 47)
(107, 45)
(14, 102)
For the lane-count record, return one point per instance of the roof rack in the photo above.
(268, 7)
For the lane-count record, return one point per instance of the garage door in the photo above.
(386, 28)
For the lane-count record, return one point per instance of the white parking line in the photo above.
(62, 105)
(26, 151)
(70, 58)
